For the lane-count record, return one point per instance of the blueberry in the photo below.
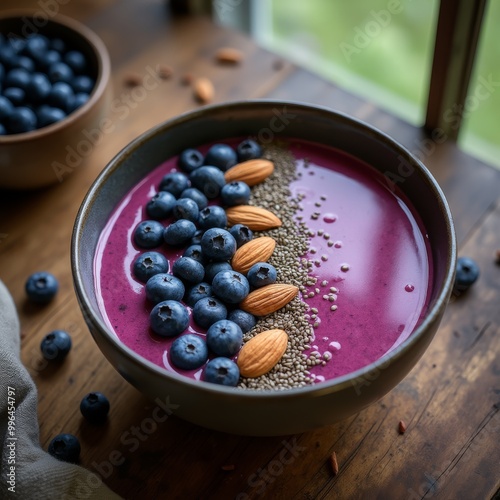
(15, 95)
(194, 251)
(35, 45)
(189, 160)
(188, 352)
(65, 447)
(76, 61)
(60, 72)
(175, 183)
(243, 319)
(160, 205)
(39, 87)
(41, 287)
(248, 150)
(230, 286)
(221, 156)
(261, 274)
(56, 345)
(47, 115)
(21, 120)
(17, 77)
(209, 180)
(235, 193)
(80, 99)
(195, 195)
(188, 270)
(25, 63)
(149, 234)
(179, 232)
(467, 274)
(213, 268)
(95, 407)
(218, 244)
(57, 44)
(169, 318)
(196, 239)
(164, 286)
(185, 208)
(197, 292)
(242, 234)
(208, 310)
(46, 59)
(224, 338)
(6, 108)
(8, 56)
(82, 84)
(212, 216)
(61, 96)
(222, 371)
(148, 264)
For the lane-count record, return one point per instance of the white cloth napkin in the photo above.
(26, 470)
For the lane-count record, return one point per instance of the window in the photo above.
(383, 50)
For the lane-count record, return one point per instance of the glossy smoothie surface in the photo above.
(368, 244)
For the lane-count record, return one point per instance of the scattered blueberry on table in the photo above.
(466, 275)
(95, 407)
(65, 447)
(41, 287)
(56, 345)
(42, 80)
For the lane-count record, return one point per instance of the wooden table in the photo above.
(450, 401)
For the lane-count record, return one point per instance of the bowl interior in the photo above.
(256, 119)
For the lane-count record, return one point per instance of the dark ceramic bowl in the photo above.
(263, 412)
(48, 155)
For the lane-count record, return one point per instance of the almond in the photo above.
(256, 250)
(268, 299)
(262, 352)
(229, 55)
(251, 172)
(204, 90)
(256, 218)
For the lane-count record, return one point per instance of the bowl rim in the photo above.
(328, 386)
(102, 78)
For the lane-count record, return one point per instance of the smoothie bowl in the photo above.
(269, 267)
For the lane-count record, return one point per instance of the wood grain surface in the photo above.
(450, 402)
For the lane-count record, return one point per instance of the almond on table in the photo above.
(204, 90)
(228, 55)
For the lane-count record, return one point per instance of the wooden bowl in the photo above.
(48, 155)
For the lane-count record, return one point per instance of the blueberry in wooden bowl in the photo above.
(54, 95)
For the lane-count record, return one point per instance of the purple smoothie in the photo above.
(369, 244)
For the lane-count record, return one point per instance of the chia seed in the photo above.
(292, 244)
